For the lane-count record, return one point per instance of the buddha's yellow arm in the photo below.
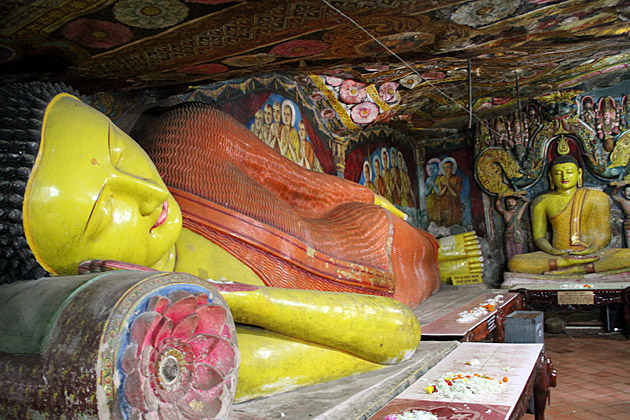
(273, 363)
(375, 328)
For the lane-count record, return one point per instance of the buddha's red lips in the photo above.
(162, 217)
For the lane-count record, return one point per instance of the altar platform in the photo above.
(361, 396)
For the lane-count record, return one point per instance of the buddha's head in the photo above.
(90, 191)
(565, 173)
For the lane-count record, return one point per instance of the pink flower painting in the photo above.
(352, 92)
(364, 113)
(92, 33)
(300, 48)
(387, 91)
(181, 359)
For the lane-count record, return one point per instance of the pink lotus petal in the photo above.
(194, 406)
(129, 359)
(202, 345)
(186, 327)
(206, 377)
(181, 308)
(177, 295)
(227, 331)
(221, 357)
(164, 332)
(211, 319)
(202, 299)
(134, 390)
(157, 304)
(143, 328)
(167, 411)
(149, 399)
(146, 361)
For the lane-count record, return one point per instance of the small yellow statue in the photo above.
(580, 224)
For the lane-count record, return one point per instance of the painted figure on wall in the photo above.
(387, 175)
(408, 197)
(256, 126)
(275, 125)
(431, 191)
(396, 178)
(394, 181)
(580, 224)
(534, 120)
(625, 113)
(449, 189)
(588, 114)
(514, 236)
(607, 123)
(621, 195)
(378, 179)
(367, 177)
(519, 135)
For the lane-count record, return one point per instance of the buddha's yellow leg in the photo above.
(273, 363)
(375, 328)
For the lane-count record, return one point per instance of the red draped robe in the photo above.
(293, 227)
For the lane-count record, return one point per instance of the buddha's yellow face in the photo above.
(95, 194)
(565, 176)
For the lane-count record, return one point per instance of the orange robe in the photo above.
(294, 228)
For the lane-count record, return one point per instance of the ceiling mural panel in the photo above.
(517, 49)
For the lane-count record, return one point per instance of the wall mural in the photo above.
(385, 172)
(279, 124)
(511, 151)
(447, 190)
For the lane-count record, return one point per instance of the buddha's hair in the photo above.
(22, 108)
(564, 159)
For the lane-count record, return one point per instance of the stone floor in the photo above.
(593, 376)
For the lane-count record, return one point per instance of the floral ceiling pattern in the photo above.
(415, 53)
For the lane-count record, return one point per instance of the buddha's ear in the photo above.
(552, 186)
(580, 177)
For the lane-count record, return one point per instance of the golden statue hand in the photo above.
(589, 250)
(544, 245)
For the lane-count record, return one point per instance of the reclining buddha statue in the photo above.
(246, 210)
(580, 223)
(74, 187)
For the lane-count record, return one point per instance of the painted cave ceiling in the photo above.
(517, 49)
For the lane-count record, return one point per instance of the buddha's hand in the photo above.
(588, 250)
(555, 251)
(544, 245)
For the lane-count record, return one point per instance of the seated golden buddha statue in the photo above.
(580, 223)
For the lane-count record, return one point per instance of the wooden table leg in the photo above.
(545, 378)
